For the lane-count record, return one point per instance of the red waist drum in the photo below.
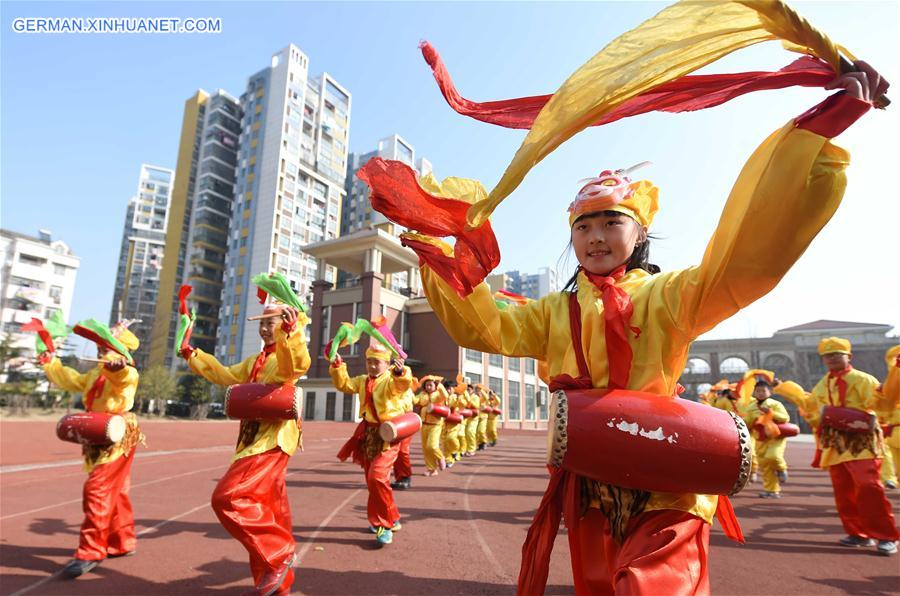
(780, 430)
(496, 411)
(438, 410)
(466, 413)
(400, 427)
(788, 430)
(91, 428)
(848, 419)
(454, 418)
(260, 401)
(649, 442)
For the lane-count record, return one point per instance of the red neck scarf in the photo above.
(617, 311)
(94, 392)
(841, 385)
(260, 361)
(370, 397)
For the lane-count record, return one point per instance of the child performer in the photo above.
(619, 325)
(433, 392)
(251, 500)
(450, 433)
(891, 391)
(382, 396)
(769, 451)
(493, 420)
(853, 458)
(109, 387)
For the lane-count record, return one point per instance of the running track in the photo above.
(462, 530)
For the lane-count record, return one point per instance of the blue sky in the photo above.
(80, 113)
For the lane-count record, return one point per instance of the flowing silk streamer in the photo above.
(641, 71)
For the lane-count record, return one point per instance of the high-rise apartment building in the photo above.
(357, 211)
(199, 217)
(291, 169)
(141, 255)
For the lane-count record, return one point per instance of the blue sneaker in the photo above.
(396, 527)
(384, 537)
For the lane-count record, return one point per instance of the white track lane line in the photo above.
(495, 564)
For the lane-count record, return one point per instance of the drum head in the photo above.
(558, 420)
(298, 402)
(115, 428)
(388, 431)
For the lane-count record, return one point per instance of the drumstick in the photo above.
(260, 317)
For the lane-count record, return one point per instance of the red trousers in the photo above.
(403, 465)
(664, 552)
(251, 502)
(381, 508)
(861, 503)
(108, 527)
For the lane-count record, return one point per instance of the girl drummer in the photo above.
(634, 328)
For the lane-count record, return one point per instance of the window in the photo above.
(474, 378)
(56, 294)
(59, 269)
(31, 260)
(514, 406)
(496, 385)
(473, 355)
(529, 402)
(309, 412)
(544, 401)
(347, 412)
(514, 363)
(529, 366)
(330, 403)
(495, 360)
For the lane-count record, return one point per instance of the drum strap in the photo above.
(841, 385)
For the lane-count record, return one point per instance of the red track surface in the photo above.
(462, 531)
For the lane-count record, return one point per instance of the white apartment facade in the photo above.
(38, 278)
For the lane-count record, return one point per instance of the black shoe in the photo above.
(480, 446)
(492, 444)
(78, 567)
(782, 476)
